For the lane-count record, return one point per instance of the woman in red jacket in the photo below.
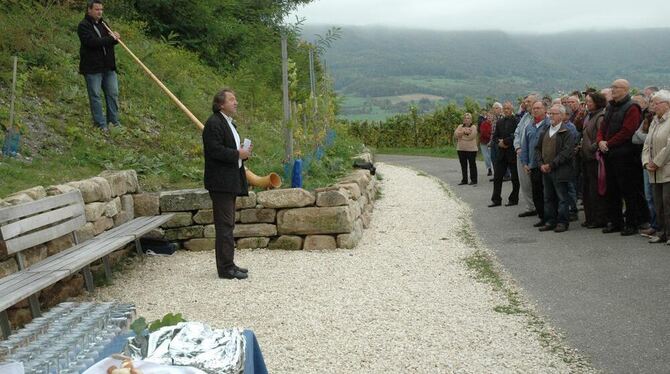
(484, 139)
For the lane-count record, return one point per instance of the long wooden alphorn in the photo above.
(274, 181)
(181, 106)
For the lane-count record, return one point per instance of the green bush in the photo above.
(414, 130)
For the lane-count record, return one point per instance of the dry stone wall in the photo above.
(289, 219)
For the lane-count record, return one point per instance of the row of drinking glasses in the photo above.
(67, 339)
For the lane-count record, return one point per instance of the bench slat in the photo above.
(152, 223)
(62, 260)
(27, 284)
(27, 209)
(138, 226)
(11, 280)
(41, 220)
(39, 237)
(127, 228)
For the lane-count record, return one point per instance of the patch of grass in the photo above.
(446, 189)
(465, 232)
(482, 264)
(422, 174)
(378, 194)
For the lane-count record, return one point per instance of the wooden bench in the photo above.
(27, 225)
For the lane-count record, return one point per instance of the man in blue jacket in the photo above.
(529, 158)
(98, 65)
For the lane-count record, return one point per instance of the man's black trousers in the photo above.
(223, 206)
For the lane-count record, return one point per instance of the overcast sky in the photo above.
(510, 15)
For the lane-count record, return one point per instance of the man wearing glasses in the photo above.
(555, 149)
(622, 162)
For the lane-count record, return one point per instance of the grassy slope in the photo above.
(156, 138)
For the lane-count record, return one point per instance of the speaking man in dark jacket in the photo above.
(225, 178)
(98, 65)
(555, 152)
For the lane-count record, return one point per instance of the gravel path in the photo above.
(403, 301)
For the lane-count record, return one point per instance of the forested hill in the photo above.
(195, 48)
(382, 62)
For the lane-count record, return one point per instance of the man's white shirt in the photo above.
(235, 135)
(554, 129)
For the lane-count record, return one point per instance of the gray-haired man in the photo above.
(519, 141)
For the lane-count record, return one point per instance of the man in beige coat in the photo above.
(656, 160)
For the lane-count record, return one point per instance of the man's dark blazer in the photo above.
(222, 171)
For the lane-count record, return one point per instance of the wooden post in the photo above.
(288, 134)
(13, 99)
(312, 75)
(313, 94)
(4, 324)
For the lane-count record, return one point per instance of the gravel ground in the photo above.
(403, 301)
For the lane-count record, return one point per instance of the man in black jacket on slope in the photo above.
(98, 65)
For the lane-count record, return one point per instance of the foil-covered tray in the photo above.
(193, 344)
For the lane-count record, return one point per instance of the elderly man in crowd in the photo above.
(607, 92)
(649, 91)
(496, 111)
(555, 150)
(573, 184)
(638, 139)
(656, 159)
(503, 137)
(622, 162)
(519, 143)
(529, 157)
(577, 112)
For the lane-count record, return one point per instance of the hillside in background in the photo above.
(373, 65)
(156, 138)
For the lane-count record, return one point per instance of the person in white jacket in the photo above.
(656, 160)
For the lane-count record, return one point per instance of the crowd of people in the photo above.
(606, 150)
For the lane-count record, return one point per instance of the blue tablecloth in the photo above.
(253, 357)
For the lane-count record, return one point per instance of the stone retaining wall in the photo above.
(291, 219)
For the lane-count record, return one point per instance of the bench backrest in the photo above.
(26, 225)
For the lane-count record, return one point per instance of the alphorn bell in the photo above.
(270, 181)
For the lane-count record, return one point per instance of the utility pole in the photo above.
(288, 134)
